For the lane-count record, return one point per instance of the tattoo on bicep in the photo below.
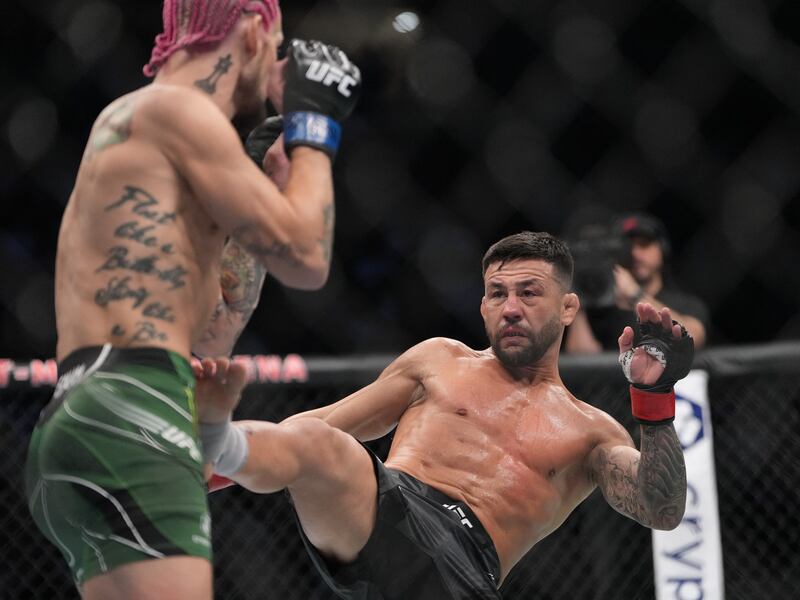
(209, 84)
(618, 483)
(241, 278)
(113, 127)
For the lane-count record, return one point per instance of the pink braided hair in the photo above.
(189, 22)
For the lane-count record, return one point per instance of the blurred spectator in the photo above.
(641, 274)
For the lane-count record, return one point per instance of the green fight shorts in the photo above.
(114, 472)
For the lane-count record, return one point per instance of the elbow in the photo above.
(304, 276)
(209, 350)
(676, 519)
(669, 522)
(306, 284)
(317, 277)
(308, 263)
(666, 524)
(667, 518)
(220, 345)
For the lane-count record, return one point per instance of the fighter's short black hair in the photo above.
(538, 245)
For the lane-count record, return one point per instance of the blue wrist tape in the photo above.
(311, 129)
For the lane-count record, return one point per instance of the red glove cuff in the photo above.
(652, 408)
(218, 482)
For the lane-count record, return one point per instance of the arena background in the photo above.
(478, 119)
(487, 118)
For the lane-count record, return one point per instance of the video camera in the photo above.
(595, 250)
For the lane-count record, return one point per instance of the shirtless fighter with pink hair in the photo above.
(167, 236)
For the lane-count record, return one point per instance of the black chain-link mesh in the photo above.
(757, 449)
(487, 118)
(596, 555)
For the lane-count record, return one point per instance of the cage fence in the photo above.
(597, 554)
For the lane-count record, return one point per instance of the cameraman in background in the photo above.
(617, 269)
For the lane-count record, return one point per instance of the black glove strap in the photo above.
(678, 353)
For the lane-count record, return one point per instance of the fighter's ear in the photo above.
(483, 307)
(569, 308)
(252, 35)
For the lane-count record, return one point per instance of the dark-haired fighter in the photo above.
(490, 454)
(114, 473)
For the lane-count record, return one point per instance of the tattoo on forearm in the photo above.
(651, 489)
(209, 84)
(326, 241)
(113, 127)
(248, 238)
(662, 473)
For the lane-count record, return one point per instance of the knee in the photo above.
(319, 447)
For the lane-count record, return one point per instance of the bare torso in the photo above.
(514, 452)
(137, 261)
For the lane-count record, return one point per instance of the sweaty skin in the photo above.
(515, 453)
(494, 428)
(163, 181)
(138, 259)
(512, 442)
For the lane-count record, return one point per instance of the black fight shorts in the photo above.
(425, 546)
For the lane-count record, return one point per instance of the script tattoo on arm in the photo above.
(247, 236)
(241, 280)
(650, 488)
(113, 127)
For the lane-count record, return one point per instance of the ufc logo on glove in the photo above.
(328, 74)
(314, 106)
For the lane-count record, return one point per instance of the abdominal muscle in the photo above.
(517, 505)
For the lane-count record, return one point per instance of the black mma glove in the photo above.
(322, 87)
(655, 404)
(262, 137)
